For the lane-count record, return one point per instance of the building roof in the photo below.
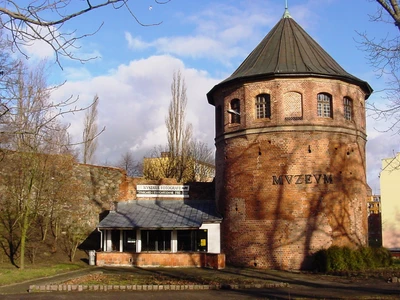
(288, 51)
(166, 214)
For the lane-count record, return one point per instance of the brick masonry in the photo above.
(318, 195)
(194, 259)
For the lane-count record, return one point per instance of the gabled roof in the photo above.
(288, 51)
(166, 214)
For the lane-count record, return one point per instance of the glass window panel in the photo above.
(156, 240)
(235, 106)
(324, 104)
(263, 106)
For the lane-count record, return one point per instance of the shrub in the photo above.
(368, 256)
(335, 259)
(344, 259)
(382, 257)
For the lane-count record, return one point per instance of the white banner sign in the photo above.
(168, 191)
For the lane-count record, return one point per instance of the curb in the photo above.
(104, 288)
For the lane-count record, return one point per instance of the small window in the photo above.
(218, 118)
(130, 240)
(263, 106)
(235, 113)
(115, 236)
(362, 115)
(324, 108)
(192, 240)
(293, 106)
(156, 240)
(348, 108)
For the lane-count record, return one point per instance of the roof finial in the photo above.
(286, 13)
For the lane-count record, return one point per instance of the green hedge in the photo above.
(343, 259)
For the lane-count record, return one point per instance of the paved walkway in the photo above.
(299, 285)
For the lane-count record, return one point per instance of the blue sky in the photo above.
(206, 40)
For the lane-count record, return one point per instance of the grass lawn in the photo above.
(10, 274)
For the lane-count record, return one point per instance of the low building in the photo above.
(162, 227)
(374, 204)
(374, 221)
(164, 166)
(389, 183)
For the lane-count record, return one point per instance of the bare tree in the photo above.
(34, 135)
(384, 56)
(90, 132)
(129, 164)
(29, 117)
(44, 20)
(178, 132)
(30, 123)
(203, 160)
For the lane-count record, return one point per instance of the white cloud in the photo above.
(134, 101)
(75, 74)
(136, 43)
(218, 33)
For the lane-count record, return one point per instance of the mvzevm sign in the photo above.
(302, 179)
(167, 191)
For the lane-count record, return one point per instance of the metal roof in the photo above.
(161, 214)
(288, 51)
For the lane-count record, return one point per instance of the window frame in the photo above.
(348, 108)
(218, 119)
(235, 106)
(263, 106)
(324, 105)
(148, 237)
(194, 240)
(130, 241)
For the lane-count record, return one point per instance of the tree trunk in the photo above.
(24, 231)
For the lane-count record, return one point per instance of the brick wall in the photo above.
(195, 259)
(318, 197)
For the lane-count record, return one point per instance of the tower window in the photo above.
(293, 106)
(348, 108)
(218, 118)
(324, 108)
(235, 106)
(263, 106)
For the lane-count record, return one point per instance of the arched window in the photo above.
(324, 108)
(263, 106)
(293, 106)
(347, 108)
(235, 111)
(218, 118)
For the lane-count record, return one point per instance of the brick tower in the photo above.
(290, 153)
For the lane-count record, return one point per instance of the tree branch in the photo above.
(28, 24)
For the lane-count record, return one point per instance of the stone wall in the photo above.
(102, 187)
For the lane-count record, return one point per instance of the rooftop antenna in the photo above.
(286, 13)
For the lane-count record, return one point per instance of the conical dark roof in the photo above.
(288, 51)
